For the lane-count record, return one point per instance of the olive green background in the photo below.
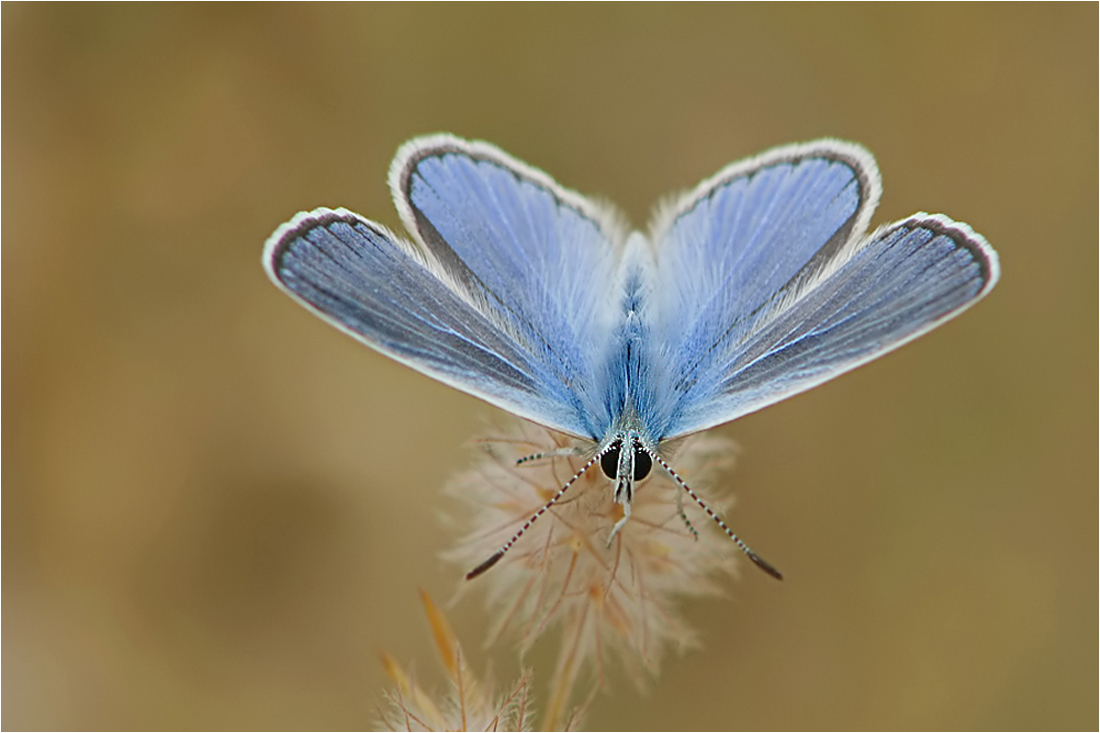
(217, 509)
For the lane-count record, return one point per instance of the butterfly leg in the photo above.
(496, 556)
(621, 523)
(684, 516)
(546, 455)
(760, 562)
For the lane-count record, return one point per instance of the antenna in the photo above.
(495, 557)
(760, 562)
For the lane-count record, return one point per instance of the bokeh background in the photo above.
(216, 509)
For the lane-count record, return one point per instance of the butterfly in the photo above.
(759, 284)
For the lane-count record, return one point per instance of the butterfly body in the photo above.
(759, 284)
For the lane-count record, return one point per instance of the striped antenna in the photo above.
(760, 562)
(495, 557)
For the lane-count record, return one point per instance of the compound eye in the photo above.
(643, 464)
(610, 462)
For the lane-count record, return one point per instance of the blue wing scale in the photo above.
(759, 284)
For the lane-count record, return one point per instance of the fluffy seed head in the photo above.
(562, 573)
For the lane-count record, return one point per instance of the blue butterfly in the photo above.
(759, 284)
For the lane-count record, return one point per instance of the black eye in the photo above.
(643, 464)
(610, 462)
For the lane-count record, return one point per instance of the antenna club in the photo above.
(757, 560)
(485, 565)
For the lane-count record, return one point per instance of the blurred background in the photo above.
(217, 509)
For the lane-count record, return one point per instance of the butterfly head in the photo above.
(625, 461)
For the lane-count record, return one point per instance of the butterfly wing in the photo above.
(499, 296)
(794, 294)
